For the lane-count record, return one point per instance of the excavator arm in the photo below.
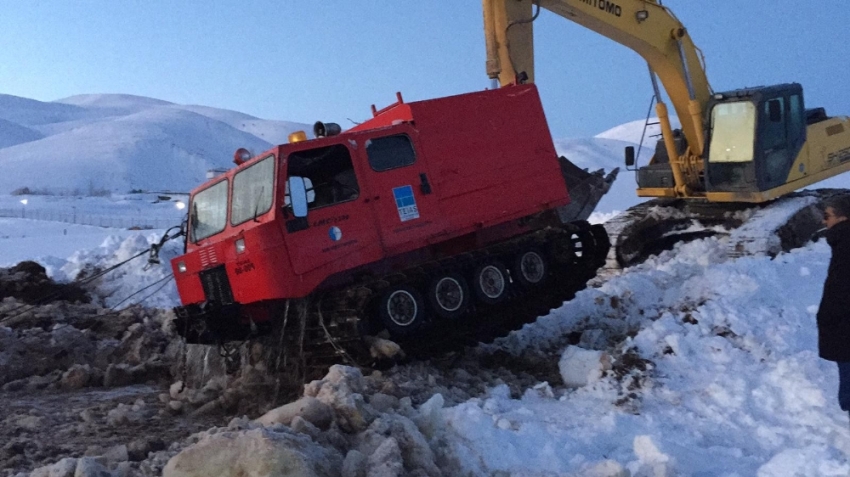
(645, 26)
(747, 145)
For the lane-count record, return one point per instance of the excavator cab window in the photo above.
(774, 144)
(774, 134)
(733, 129)
(732, 145)
(774, 110)
(782, 134)
(796, 121)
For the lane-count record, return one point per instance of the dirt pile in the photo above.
(29, 283)
(78, 380)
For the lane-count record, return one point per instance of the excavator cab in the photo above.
(753, 138)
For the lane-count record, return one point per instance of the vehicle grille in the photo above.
(217, 286)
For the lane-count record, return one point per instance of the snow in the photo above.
(732, 384)
(737, 387)
(119, 143)
(12, 134)
(580, 367)
(634, 130)
(45, 242)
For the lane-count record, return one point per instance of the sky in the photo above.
(304, 61)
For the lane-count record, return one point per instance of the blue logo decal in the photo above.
(405, 202)
(335, 233)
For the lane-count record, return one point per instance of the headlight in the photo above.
(181, 267)
(240, 245)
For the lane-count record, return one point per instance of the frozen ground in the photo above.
(733, 386)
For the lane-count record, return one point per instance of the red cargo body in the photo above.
(426, 179)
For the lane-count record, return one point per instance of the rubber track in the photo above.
(347, 313)
(658, 224)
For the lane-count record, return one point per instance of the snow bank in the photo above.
(734, 386)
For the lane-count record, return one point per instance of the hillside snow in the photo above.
(119, 143)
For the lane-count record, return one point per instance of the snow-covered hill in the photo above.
(607, 150)
(633, 131)
(118, 143)
(13, 133)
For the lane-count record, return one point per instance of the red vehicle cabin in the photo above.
(418, 181)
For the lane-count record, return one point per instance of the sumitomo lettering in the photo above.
(605, 6)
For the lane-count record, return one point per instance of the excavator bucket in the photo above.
(586, 190)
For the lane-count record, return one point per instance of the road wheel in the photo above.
(530, 268)
(490, 282)
(448, 296)
(401, 310)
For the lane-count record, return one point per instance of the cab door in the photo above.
(775, 146)
(338, 228)
(401, 192)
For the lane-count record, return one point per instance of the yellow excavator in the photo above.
(750, 145)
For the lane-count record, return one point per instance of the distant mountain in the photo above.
(30, 112)
(13, 133)
(274, 132)
(597, 153)
(109, 105)
(607, 150)
(122, 142)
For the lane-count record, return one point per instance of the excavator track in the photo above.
(654, 226)
(340, 326)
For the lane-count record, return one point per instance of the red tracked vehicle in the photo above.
(440, 220)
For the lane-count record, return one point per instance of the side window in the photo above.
(208, 212)
(796, 119)
(328, 174)
(774, 130)
(390, 152)
(252, 191)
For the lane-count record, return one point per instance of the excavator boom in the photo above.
(645, 26)
(750, 145)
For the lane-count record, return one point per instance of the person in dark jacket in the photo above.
(834, 311)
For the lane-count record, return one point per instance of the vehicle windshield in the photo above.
(733, 131)
(252, 191)
(208, 213)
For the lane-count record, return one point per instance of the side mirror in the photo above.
(774, 107)
(298, 196)
(630, 156)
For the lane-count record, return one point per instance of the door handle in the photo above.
(424, 186)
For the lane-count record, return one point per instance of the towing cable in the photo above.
(153, 259)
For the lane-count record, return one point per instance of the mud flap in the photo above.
(586, 190)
